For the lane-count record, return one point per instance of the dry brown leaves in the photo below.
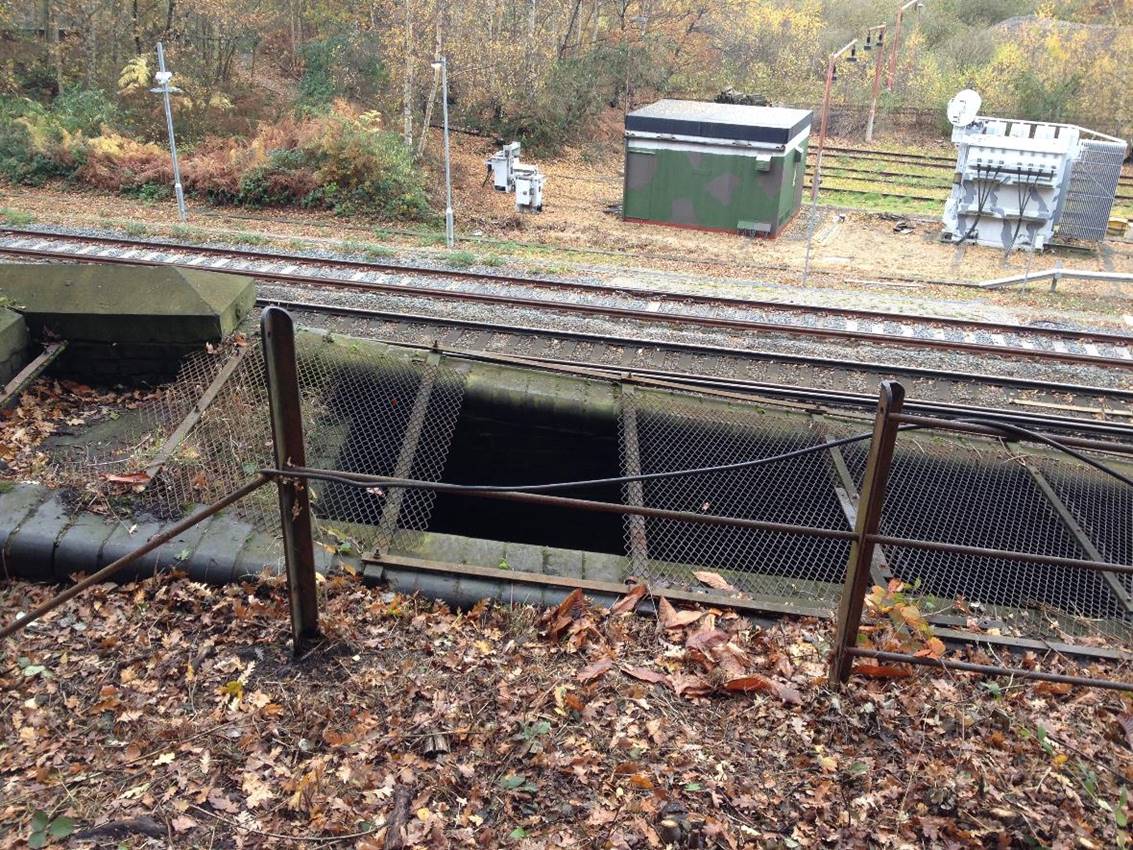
(713, 659)
(54, 407)
(172, 708)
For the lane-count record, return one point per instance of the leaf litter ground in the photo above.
(169, 713)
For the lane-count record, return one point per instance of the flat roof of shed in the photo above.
(731, 121)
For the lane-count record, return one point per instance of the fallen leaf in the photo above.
(1125, 724)
(882, 671)
(181, 823)
(564, 615)
(705, 639)
(713, 580)
(645, 674)
(690, 685)
(595, 670)
(755, 683)
(630, 600)
(1059, 689)
(133, 478)
(671, 618)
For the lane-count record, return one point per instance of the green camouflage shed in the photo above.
(715, 166)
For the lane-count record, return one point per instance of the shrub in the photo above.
(336, 162)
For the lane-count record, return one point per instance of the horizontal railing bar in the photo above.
(981, 552)
(561, 501)
(941, 424)
(988, 669)
(688, 516)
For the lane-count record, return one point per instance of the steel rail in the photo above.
(582, 286)
(614, 312)
(698, 348)
(627, 313)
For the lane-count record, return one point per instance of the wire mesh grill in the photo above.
(685, 432)
(364, 410)
(978, 493)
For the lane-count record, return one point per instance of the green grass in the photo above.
(16, 218)
(242, 237)
(185, 233)
(461, 259)
(135, 228)
(873, 202)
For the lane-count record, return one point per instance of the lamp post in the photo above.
(918, 4)
(816, 177)
(874, 39)
(162, 78)
(450, 236)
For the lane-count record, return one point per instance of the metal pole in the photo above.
(163, 81)
(876, 84)
(815, 178)
(278, 333)
(450, 235)
(893, 49)
(891, 397)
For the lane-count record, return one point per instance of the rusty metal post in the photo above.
(893, 47)
(278, 333)
(876, 91)
(823, 120)
(870, 503)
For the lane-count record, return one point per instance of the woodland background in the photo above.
(327, 103)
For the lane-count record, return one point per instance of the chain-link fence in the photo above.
(371, 409)
(366, 408)
(680, 431)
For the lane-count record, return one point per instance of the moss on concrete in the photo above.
(127, 304)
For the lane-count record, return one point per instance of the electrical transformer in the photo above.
(501, 166)
(1018, 184)
(510, 175)
(528, 188)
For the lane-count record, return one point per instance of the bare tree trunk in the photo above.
(51, 36)
(425, 125)
(407, 92)
(570, 29)
(134, 29)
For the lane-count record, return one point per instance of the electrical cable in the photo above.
(984, 189)
(1053, 443)
(1029, 184)
(360, 480)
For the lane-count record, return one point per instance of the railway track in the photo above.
(709, 365)
(642, 306)
(751, 387)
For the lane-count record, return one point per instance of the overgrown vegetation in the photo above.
(341, 162)
(353, 91)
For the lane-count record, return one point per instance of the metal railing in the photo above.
(867, 540)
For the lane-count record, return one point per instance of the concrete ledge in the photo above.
(42, 539)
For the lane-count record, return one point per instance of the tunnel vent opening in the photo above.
(498, 441)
